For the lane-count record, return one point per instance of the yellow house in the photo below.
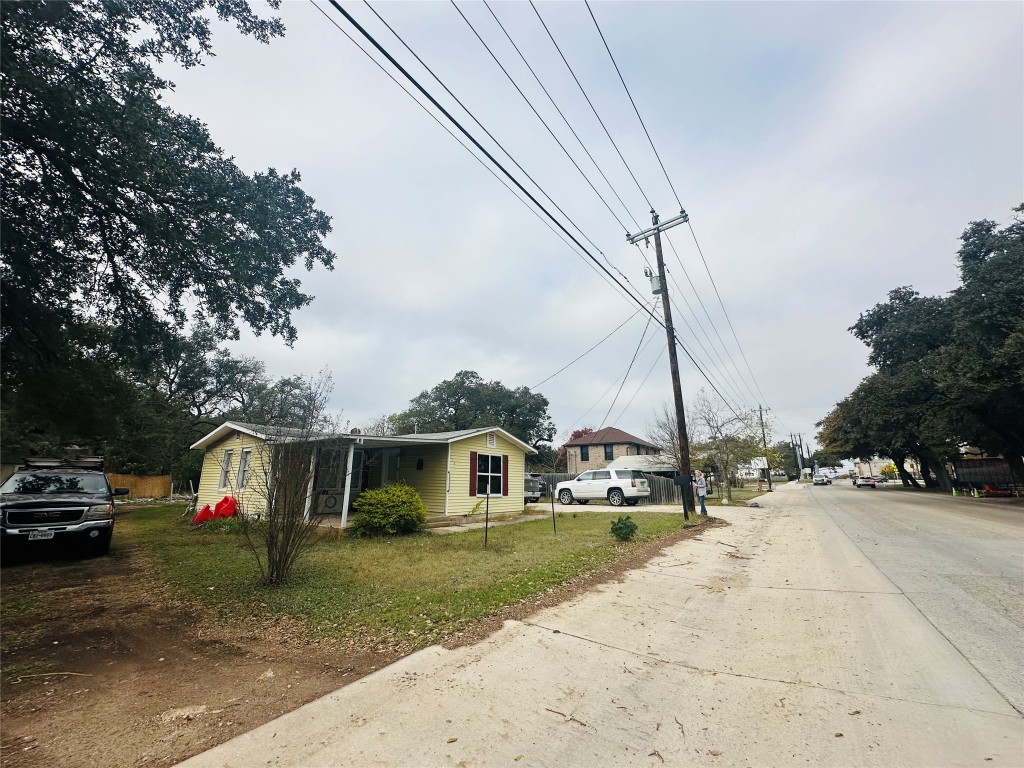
(456, 473)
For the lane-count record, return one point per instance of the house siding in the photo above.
(429, 482)
(459, 500)
(597, 459)
(252, 499)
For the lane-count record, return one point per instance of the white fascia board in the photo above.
(224, 429)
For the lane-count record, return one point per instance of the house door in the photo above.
(389, 473)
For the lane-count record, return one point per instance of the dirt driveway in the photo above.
(102, 665)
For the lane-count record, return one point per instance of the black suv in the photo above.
(63, 500)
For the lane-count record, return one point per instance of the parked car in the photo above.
(57, 500)
(531, 489)
(618, 486)
(540, 479)
(865, 482)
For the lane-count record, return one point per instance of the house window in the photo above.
(243, 467)
(584, 453)
(608, 452)
(488, 475)
(225, 469)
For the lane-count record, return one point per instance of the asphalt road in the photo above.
(960, 561)
(830, 627)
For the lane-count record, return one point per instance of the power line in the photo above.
(463, 145)
(466, 109)
(672, 186)
(711, 322)
(562, 115)
(539, 117)
(602, 341)
(630, 368)
(394, 62)
(649, 371)
(616, 381)
(722, 304)
(583, 91)
(618, 71)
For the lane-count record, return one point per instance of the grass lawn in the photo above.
(419, 588)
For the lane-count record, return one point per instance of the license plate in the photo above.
(37, 535)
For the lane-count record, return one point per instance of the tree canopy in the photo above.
(950, 369)
(125, 226)
(466, 401)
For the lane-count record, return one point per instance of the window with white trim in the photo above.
(243, 467)
(609, 452)
(225, 469)
(488, 474)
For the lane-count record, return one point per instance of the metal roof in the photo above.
(271, 433)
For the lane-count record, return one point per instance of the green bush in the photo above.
(393, 510)
(624, 529)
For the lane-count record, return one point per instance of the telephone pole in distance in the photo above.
(673, 361)
(764, 437)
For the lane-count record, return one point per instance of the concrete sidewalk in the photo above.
(770, 642)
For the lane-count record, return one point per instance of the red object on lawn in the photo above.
(226, 507)
(205, 514)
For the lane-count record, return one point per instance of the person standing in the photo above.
(702, 490)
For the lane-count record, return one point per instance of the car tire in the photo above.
(100, 546)
(615, 497)
(565, 497)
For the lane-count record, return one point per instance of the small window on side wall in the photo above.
(225, 469)
(584, 453)
(243, 467)
(608, 453)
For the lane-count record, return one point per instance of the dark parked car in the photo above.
(57, 500)
(540, 479)
(531, 489)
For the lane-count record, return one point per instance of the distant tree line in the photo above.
(949, 370)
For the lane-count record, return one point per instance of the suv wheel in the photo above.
(615, 497)
(565, 497)
(101, 544)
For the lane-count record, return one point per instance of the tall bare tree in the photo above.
(276, 490)
(723, 436)
(663, 432)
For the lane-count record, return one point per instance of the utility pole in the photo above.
(764, 437)
(673, 361)
(799, 454)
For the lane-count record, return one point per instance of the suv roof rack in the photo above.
(83, 462)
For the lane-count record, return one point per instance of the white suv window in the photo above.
(624, 474)
(602, 474)
(586, 476)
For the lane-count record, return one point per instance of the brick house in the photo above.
(598, 449)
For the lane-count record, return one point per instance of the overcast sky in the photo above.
(825, 152)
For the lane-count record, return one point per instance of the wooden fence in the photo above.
(142, 487)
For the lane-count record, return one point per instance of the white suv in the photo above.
(618, 486)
